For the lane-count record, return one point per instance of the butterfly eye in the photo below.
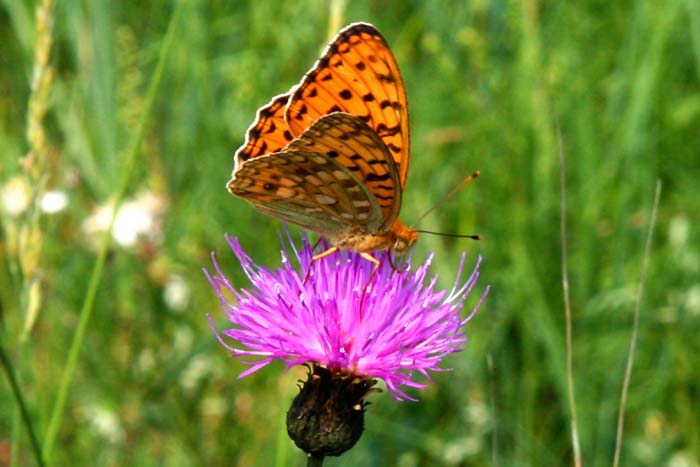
(401, 245)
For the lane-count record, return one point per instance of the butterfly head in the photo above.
(401, 237)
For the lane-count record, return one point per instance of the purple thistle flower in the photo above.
(391, 328)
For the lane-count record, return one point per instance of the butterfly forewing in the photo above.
(268, 133)
(357, 74)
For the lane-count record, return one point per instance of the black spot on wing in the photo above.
(384, 130)
(371, 177)
(303, 110)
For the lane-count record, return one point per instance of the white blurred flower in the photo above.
(679, 230)
(176, 292)
(104, 422)
(54, 201)
(683, 254)
(98, 221)
(138, 220)
(15, 196)
(683, 459)
(692, 301)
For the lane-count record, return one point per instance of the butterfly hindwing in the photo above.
(358, 148)
(308, 189)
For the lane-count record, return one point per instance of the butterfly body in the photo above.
(332, 154)
(397, 239)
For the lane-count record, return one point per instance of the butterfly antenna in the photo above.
(440, 234)
(445, 198)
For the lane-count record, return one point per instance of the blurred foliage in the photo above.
(489, 83)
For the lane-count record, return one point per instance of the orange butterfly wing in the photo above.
(354, 145)
(269, 132)
(337, 179)
(356, 74)
(364, 162)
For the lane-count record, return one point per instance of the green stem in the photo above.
(635, 327)
(314, 461)
(96, 276)
(24, 413)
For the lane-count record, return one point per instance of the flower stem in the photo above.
(314, 460)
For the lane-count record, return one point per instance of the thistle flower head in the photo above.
(334, 313)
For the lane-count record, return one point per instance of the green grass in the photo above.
(488, 82)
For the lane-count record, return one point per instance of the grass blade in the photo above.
(96, 276)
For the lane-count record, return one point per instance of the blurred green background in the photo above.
(489, 83)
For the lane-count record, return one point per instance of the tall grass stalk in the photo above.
(571, 389)
(336, 16)
(635, 327)
(35, 164)
(29, 239)
(96, 276)
(22, 408)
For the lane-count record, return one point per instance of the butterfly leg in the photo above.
(322, 255)
(376, 263)
(391, 261)
(394, 266)
(313, 248)
(332, 250)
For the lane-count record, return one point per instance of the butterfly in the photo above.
(332, 154)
